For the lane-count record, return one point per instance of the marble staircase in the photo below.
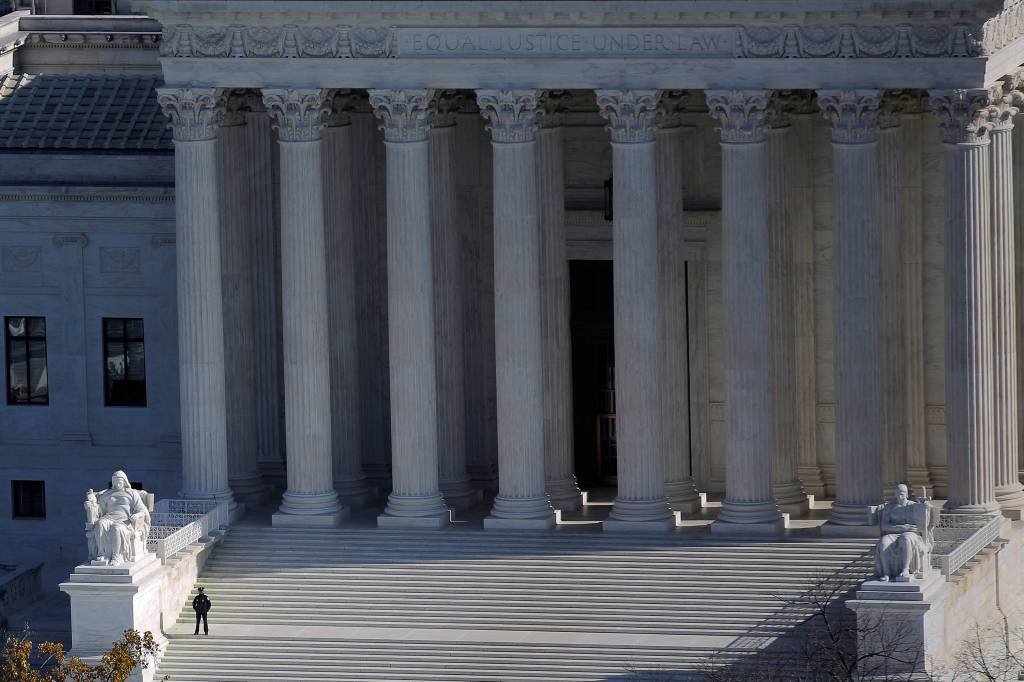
(474, 605)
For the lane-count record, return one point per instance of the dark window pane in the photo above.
(38, 383)
(17, 371)
(124, 362)
(28, 499)
(133, 329)
(115, 360)
(37, 327)
(15, 327)
(114, 328)
(136, 361)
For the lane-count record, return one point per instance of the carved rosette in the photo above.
(671, 107)
(742, 115)
(852, 113)
(963, 115)
(194, 113)
(404, 114)
(553, 105)
(296, 114)
(630, 114)
(511, 114)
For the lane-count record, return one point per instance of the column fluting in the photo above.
(310, 499)
(854, 118)
(521, 501)
(415, 499)
(749, 506)
(195, 116)
(673, 335)
(640, 502)
(560, 476)
(455, 482)
(789, 494)
(1008, 490)
(970, 413)
(343, 320)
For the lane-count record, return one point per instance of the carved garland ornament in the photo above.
(963, 115)
(852, 113)
(404, 114)
(630, 114)
(852, 41)
(741, 114)
(185, 40)
(297, 114)
(511, 114)
(194, 113)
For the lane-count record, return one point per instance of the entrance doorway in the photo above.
(593, 371)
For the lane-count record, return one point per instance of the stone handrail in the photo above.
(176, 524)
(960, 537)
(21, 586)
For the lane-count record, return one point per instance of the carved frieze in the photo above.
(852, 113)
(814, 41)
(120, 259)
(511, 114)
(21, 259)
(630, 114)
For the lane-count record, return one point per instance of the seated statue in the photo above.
(117, 523)
(904, 550)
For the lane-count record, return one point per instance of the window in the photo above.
(93, 7)
(124, 362)
(26, 361)
(28, 499)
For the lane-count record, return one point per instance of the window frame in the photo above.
(9, 342)
(16, 498)
(125, 340)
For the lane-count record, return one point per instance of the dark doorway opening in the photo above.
(593, 371)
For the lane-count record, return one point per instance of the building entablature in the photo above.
(256, 43)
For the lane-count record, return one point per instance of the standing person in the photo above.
(201, 605)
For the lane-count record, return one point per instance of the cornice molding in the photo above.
(92, 41)
(28, 193)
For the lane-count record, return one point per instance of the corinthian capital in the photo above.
(404, 114)
(296, 114)
(963, 115)
(195, 113)
(852, 113)
(630, 114)
(741, 114)
(553, 105)
(1005, 103)
(671, 107)
(511, 114)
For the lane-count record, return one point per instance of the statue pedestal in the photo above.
(895, 617)
(107, 600)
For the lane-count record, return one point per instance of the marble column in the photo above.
(970, 425)
(853, 115)
(917, 473)
(236, 269)
(266, 258)
(674, 331)
(749, 506)
(195, 116)
(559, 465)
(801, 186)
(415, 500)
(448, 322)
(640, 503)
(310, 499)
(521, 501)
(1008, 490)
(342, 318)
(789, 494)
(891, 309)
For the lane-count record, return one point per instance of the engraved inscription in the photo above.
(566, 43)
(120, 259)
(21, 259)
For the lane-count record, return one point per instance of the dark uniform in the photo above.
(201, 605)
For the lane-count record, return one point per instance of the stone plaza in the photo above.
(635, 291)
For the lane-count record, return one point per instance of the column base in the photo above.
(611, 525)
(790, 498)
(636, 511)
(796, 508)
(416, 506)
(565, 494)
(332, 520)
(436, 521)
(851, 514)
(984, 508)
(249, 489)
(354, 492)
(501, 523)
(831, 529)
(683, 496)
(811, 479)
(750, 513)
(1011, 501)
(459, 493)
(775, 528)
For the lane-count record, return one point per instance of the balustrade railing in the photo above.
(958, 538)
(176, 524)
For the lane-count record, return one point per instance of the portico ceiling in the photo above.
(782, 44)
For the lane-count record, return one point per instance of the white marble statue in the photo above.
(117, 523)
(904, 550)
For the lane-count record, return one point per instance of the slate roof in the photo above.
(82, 112)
